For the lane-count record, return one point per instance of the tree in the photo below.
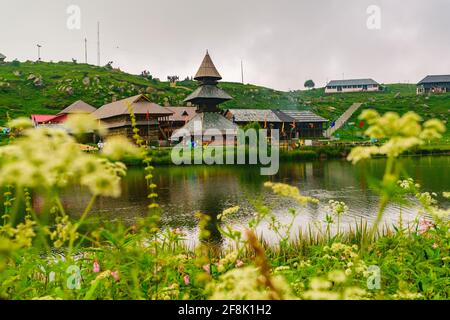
(310, 84)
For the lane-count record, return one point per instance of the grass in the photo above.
(46, 254)
(399, 98)
(19, 97)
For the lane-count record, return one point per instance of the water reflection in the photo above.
(183, 191)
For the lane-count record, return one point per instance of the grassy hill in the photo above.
(395, 97)
(29, 87)
(44, 87)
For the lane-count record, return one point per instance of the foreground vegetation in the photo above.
(45, 254)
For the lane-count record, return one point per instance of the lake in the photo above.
(183, 191)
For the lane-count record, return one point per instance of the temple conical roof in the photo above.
(207, 70)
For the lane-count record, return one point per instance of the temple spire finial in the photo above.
(207, 70)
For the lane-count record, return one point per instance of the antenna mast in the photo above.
(98, 43)
(242, 71)
(85, 51)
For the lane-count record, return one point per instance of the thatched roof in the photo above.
(208, 120)
(207, 70)
(78, 107)
(140, 104)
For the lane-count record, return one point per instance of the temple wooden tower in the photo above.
(206, 98)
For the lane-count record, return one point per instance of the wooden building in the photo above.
(150, 118)
(291, 123)
(180, 117)
(40, 120)
(434, 84)
(206, 98)
(352, 85)
(303, 124)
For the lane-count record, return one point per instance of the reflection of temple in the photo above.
(207, 97)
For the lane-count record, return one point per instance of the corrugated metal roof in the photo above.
(78, 107)
(207, 69)
(254, 115)
(435, 79)
(140, 104)
(304, 116)
(352, 82)
(269, 115)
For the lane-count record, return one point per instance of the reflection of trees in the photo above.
(185, 190)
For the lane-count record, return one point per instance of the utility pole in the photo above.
(85, 51)
(98, 43)
(242, 71)
(39, 51)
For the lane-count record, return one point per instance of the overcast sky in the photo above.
(282, 42)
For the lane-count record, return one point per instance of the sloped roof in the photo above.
(207, 69)
(207, 120)
(2, 56)
(78, 107)
(352, 82)
(254, 115)
(208, 92)
(140, 104)
(182, 113)
(303, 116)
(435, 79)
(46, 118)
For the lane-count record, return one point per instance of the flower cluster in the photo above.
(22, 235)
(228, 212)
(337, 208)
(408, 185)
(62, 232)
(333, 288)
(402, 133)
(244, 283)
(288, 191)
(46, 158)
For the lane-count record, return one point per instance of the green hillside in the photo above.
(44, 87)
(395, 97)
(29, 87)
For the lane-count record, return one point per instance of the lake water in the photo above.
(183, 191)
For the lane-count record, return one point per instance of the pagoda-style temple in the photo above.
(206, 98)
